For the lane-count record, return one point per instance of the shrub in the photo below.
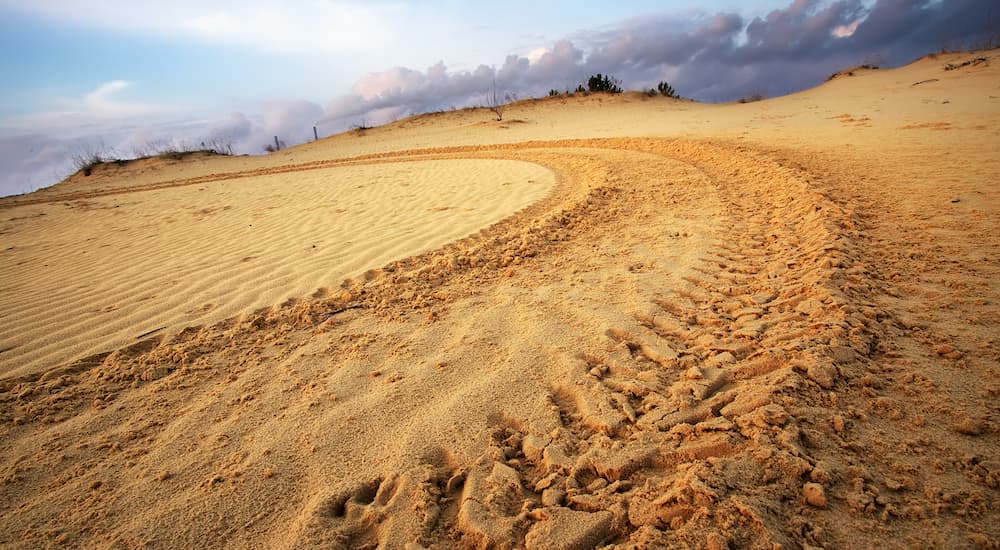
(754, 97)
(666, 89)
(168, 150)
(603, 83)
(91, 157)
(495, 104)
(86, 162)
(553, 92)
(178, 152)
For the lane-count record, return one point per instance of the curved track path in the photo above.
(660, 346)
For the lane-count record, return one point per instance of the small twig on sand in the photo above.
(323, 317)
(148, 332)
(923, 82)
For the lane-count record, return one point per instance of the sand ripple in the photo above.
(92, 274)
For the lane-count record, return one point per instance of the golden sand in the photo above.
(626, 321)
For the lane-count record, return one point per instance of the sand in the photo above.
(92, 274)
(620, 322)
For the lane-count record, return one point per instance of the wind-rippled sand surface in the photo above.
(92, 274)
(720, 326)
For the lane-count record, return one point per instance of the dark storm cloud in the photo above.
(908, 28)
(799, 46)
(712, 57)
(654, 41)
(805, 30)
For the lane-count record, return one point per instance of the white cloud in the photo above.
(101, 93)
(102, 103)
(31, 161)
(327, 27)
(304, 27)
(846, 31)
(384, 96)
(536, 54)
(101, 106)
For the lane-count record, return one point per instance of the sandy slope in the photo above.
(723, 326)
(88, 275)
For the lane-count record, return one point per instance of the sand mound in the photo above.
(776, 330)
(94, 273)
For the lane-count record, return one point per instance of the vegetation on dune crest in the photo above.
(667, 90)
(607, 84)
(603, 83)
(85, 161)
(91, 157)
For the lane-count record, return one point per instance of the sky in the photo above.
(128, 78)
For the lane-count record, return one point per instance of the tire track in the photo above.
(683, 414)
(673, 418)
(710, 383)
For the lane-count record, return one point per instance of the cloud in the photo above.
(313, 28)
(101, 106)
(846, 31)
(237, 128)
(32, 161)
(707, 56)
(316, 27)
(291, 121)
(710, 57)
(380, 97)
(100, 95)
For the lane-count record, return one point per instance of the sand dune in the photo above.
(93, 274)
(739, 326)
